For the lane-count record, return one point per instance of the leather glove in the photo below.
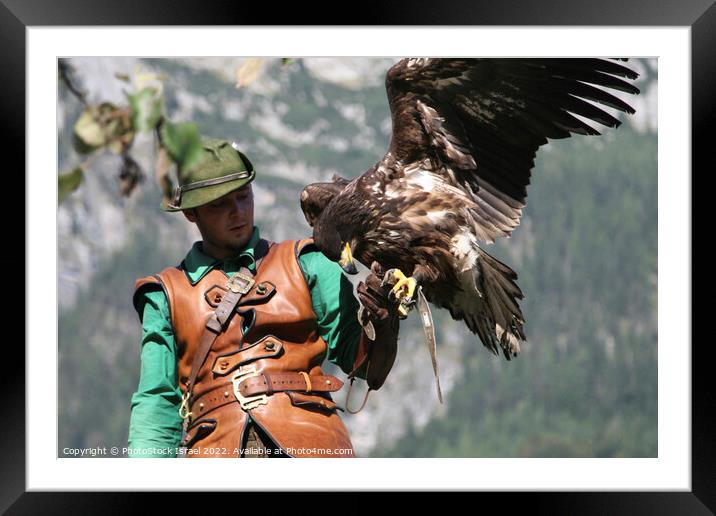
(378, 307)
(376, 358)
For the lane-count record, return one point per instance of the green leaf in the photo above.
(146, 106)
(80, 146)
(89, 131)
(183, 142)
(68, 182)
(96, 127)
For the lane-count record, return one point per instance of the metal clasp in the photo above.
(236, 287)
(184, 407)
(247, 402)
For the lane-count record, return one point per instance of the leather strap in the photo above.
(213, 399)
(268, 383)
(219, 320)
(223, 394)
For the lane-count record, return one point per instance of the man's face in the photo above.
(227, 223)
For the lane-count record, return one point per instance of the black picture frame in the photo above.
(17, 15)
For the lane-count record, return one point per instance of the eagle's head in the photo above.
(335, 241)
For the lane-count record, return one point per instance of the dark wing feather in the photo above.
(479, 122)
(316, 196)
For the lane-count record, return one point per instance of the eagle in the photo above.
(465, 133)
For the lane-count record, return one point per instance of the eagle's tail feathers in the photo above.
(500, 282)
(487, 302)
(495, 282)
(485, 330)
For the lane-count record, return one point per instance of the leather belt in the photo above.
(267, 383)
(257, 386)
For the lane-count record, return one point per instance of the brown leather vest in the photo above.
(281, 337)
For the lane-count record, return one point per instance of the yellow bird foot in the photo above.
(403, 290)
(404, 287)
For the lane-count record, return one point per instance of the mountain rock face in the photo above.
(299, 123)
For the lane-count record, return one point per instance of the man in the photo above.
(234, 337)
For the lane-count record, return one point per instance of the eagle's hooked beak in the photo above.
(346, 261)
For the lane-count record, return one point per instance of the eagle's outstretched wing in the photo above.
(481, 121)
(465, 136)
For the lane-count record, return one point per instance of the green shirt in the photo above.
(154, 420)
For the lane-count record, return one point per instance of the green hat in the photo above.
(222, 169)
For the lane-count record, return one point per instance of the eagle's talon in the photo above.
(388, 278)
(403, 287)
(406, 305)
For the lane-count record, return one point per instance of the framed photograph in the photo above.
(608, 404)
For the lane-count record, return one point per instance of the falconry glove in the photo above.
(374, 295)
(376, 356)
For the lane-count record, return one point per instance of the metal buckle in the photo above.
(237, 288)
(247, 402)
